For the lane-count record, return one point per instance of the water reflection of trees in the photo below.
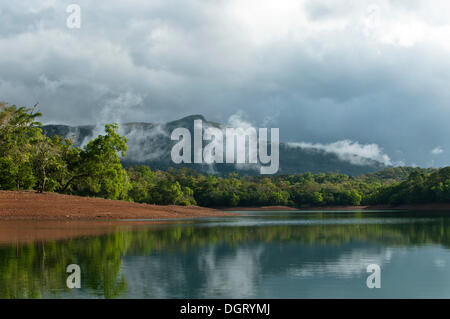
(38, 269)
(31, 270)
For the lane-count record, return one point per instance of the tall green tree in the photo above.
(19, 132)
(97, 170)
(49, 165)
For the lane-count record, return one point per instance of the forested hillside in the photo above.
(150, 144)
(29, 159)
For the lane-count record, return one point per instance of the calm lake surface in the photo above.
(255, 255)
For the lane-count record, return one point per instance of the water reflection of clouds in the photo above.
(348, 265)
(208, 273)
(153, 277)
(237, 275)
(239, 272)
(441, 263)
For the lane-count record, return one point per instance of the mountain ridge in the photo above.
(150, 144)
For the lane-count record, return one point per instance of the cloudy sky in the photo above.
(327, 73)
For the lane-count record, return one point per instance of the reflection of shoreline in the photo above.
(229, 231)
(416, 207)
(21, 232)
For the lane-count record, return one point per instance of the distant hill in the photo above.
(150, 144)
(391, 175)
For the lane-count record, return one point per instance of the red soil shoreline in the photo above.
(28, 205)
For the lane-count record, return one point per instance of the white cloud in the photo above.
(349, 151)
(437, 150)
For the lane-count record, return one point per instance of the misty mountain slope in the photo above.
(150, 144)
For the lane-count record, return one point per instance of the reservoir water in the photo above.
(267, 254)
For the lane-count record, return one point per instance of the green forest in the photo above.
(30, 160)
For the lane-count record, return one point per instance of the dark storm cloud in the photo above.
(322, 71)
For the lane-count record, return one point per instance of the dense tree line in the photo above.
(301, 190)
(31, 160)
(419, 188)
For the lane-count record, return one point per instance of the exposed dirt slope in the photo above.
(28, 205)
